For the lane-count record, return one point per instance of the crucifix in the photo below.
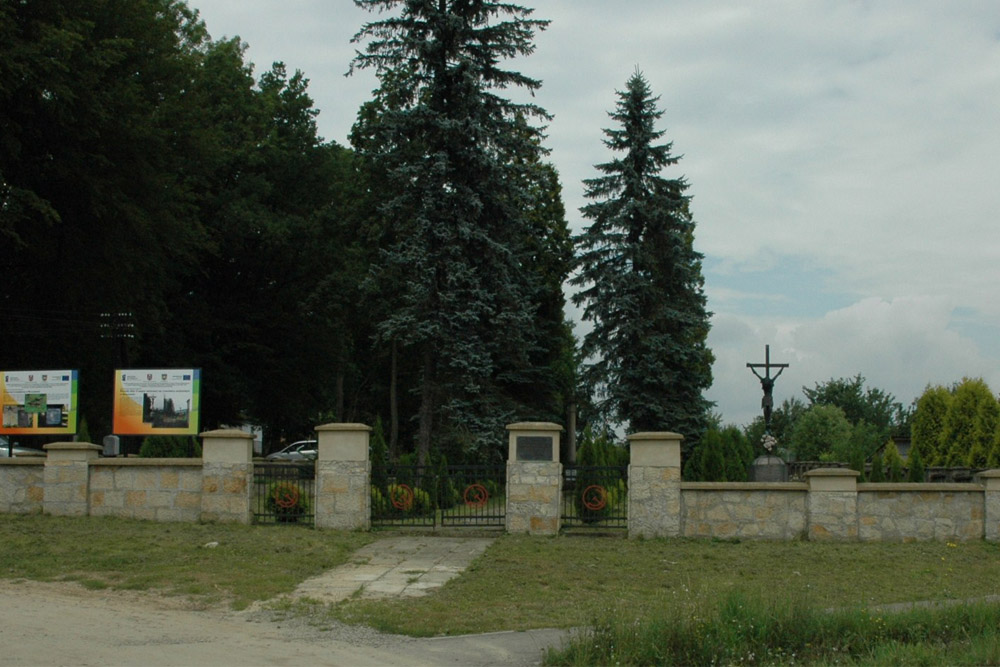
(767, 384)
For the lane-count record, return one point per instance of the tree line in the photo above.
(415, 276)
(844, 420)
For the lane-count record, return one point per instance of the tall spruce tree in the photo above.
(642, 283)
(456, 156)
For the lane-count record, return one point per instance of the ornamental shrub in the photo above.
(916, 472)
(878, 468)
(894, 461)
(405, 499)
(287, 502)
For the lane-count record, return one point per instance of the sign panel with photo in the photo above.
(38, 402)
(157, 401)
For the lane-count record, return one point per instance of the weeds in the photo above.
(749, 630)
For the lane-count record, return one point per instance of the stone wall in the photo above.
(154, 489)
(22, 485)
(910, 512)
(830, 505)
(763, 510)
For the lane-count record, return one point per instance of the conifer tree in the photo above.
(894, 462)
(457, 156)
(963, 443)
(641, 280)
(915, 462)
(878, 468)
(928, 423)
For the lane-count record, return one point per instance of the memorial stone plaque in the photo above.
(533, 448)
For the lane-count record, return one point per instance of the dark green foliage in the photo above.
(129, 135)
(379, 456)
(856, 461)
(83, 431)
(641, 281)
(445, 492)
(878, 468)
(599, 451)
(712, 455)
(894, 462)
(169, 447)
(738, 454)
(457, 162)
(916, 471)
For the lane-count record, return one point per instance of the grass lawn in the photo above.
(519, 583)
(530, 582)
(244, 563)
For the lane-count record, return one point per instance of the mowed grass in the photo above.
(530, 582)
(209, 563)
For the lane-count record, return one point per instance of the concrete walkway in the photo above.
(406, 566)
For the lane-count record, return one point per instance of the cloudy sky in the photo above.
(843, 158)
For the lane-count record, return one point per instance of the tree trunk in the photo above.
(426, 409)
(393, 405)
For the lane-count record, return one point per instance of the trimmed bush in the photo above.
(287, 502)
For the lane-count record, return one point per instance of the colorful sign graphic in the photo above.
(38, 402)
(159, 401)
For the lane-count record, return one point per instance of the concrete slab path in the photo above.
(404, 566)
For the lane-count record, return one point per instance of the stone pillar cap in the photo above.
(534, 426)
(990, 474)
(72, 446)
(833, 472)
(655, 435)
(343, 426)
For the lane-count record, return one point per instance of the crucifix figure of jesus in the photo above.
(767, 384)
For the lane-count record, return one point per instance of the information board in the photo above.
(158, 401)
(38, 402)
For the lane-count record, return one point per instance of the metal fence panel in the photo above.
(403, 496)
(595, 497)
(474, 496)
(284, 493)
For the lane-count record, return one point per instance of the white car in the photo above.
(302, 450)
(17, 450)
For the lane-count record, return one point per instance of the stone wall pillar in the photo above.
(832, 504)
(991, 518)
(343, 474)
(534, 478)
(654, 484)
(227, 476)
(67, 478)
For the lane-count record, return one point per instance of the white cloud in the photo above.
(899, 345)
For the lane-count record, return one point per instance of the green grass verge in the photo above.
(249, 562)
(749, 630)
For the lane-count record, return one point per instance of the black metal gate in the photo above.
(284, 493)
(595, 497)
(458, 496)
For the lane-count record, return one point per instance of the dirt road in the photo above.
(64, 624)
